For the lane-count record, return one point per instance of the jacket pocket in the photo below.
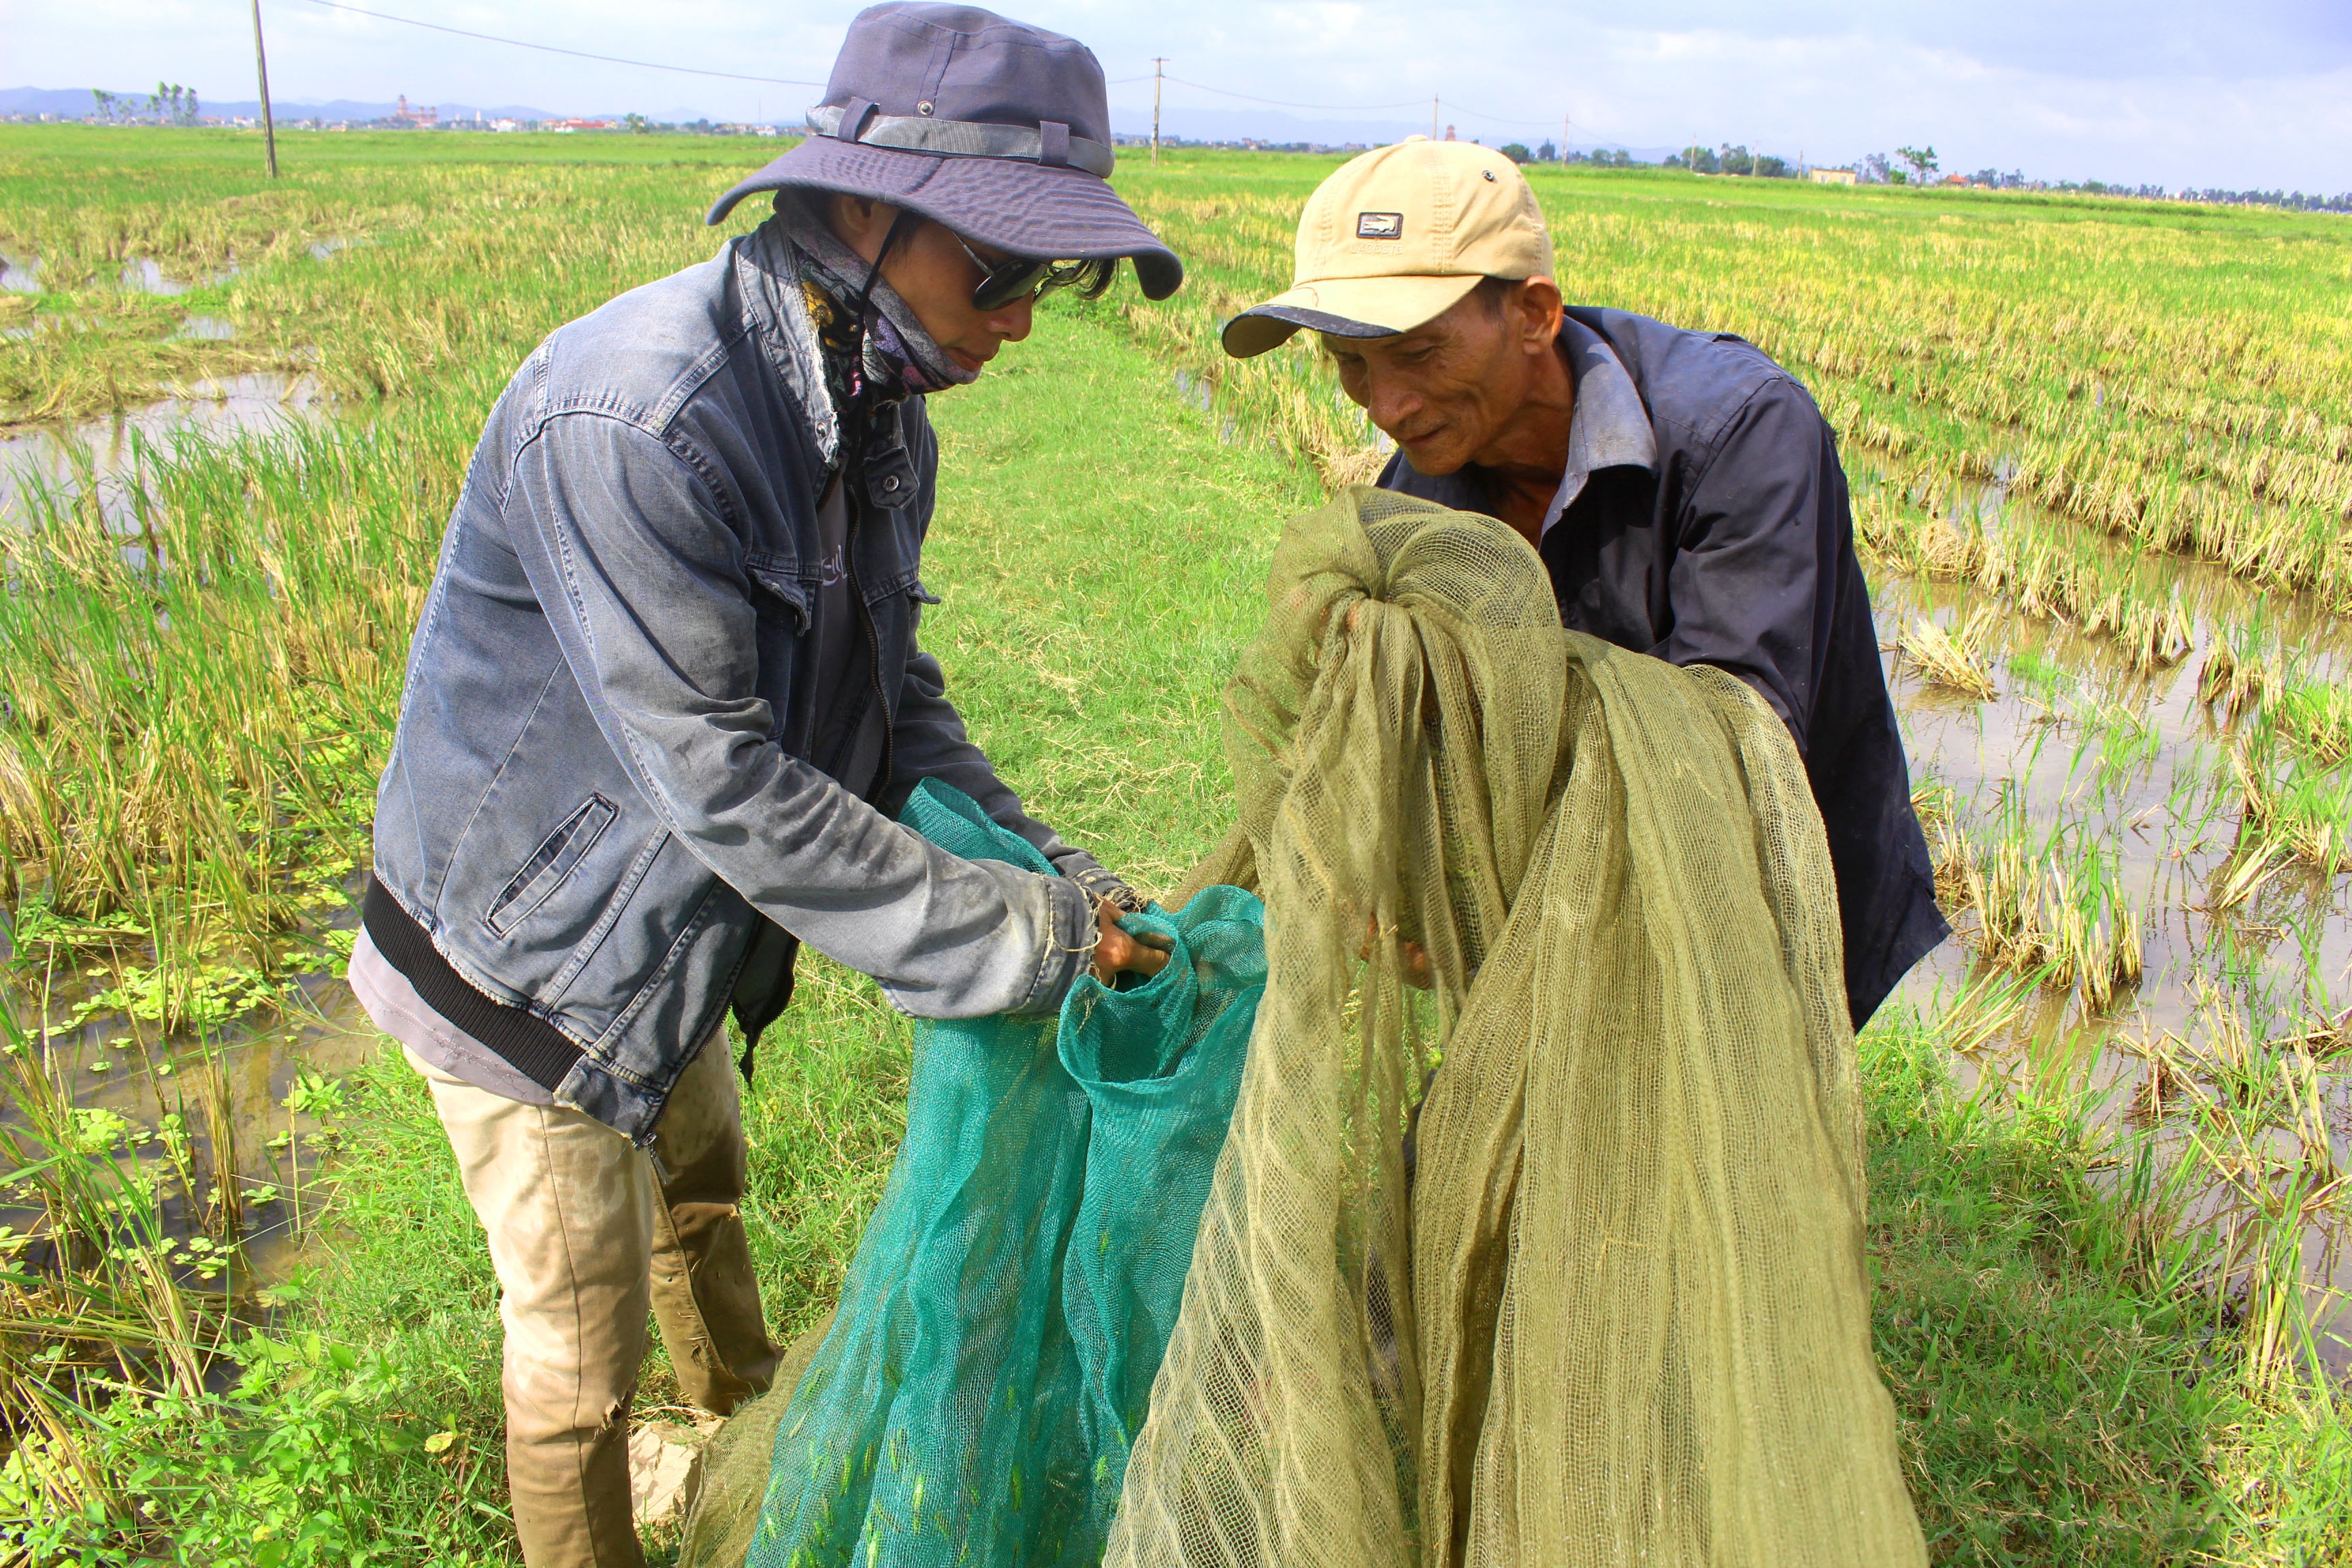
(778, 576)
(550, 864)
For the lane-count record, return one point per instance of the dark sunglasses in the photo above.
(1005, 282)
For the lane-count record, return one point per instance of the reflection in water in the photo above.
(57, 461)
(141, 274)
(2095, 762)
(204, 1115)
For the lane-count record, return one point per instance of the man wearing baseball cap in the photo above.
(1682, 489)
(665, 699)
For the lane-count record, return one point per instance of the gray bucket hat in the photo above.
(996, 129)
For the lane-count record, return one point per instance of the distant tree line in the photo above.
(2295, 200)
(169, 104)
(1730, 160)
(1600, 157)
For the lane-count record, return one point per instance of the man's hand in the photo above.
(1116, 952)
(1417, 972)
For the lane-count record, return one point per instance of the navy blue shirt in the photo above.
(1704, 518)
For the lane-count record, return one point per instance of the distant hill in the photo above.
(75, 103)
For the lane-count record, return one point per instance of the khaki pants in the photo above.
(586, 1233)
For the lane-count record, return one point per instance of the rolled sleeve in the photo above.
(642, 580)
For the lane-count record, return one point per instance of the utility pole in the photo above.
(261, 70)
(1432, 117)
(1159, 71)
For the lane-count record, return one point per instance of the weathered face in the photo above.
(1445, 390)
(932, 272)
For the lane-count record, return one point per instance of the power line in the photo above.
(1334, 108)
(795, 81)
(554, 49)
(1496, 118)
(1279, 102)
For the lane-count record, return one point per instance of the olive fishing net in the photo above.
(974, 1397)
(1599, 1298)
(1619, 1311)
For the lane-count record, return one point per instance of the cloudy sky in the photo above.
(2241, 93)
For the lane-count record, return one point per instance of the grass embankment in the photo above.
(1098, 550)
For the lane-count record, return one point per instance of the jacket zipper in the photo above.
(858, 503)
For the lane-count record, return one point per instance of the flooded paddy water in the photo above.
(63, 460)
(2065, 776)
(229, 1131)
(224, 1128)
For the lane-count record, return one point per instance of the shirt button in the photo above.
(890, 481)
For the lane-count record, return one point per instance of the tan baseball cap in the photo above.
(1394, 238)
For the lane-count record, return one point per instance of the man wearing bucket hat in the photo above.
(666, 698)
(1683, 490)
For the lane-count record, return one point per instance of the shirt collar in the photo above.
(1608, 426)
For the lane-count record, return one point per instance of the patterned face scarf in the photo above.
(893, 357)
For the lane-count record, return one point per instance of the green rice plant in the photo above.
(2236, 684)
(2046, 900)
(2315, 719)
(2262, 1140)
(89, 1292)
(2288, 801)
(2151, 634)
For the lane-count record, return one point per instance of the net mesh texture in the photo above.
(973, 1397)
(1601, 1297)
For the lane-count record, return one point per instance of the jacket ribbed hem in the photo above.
(524, 1041)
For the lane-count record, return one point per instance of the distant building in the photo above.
(1834, 176)
(506, 125)
(423, 117)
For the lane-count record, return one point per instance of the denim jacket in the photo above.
(600, 805)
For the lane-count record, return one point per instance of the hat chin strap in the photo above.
(1051, 143)
(903, 223)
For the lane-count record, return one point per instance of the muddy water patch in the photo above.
(228, 1130)
(2227, 1061)
(20, 274)
(2125, 770)
(143, 275)
(48, 466)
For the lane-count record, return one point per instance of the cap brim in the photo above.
(1064, 214)
(1346, 308)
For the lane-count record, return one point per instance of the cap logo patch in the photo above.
(1379, 225)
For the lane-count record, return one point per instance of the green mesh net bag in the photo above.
(972, 1401)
